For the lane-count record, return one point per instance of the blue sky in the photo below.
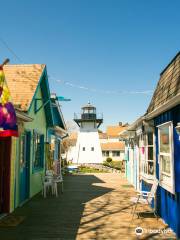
(117, 47)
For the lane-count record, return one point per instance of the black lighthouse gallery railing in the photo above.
(88, 117)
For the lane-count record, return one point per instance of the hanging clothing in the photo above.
(8, 120)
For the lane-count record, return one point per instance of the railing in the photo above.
(88, 116)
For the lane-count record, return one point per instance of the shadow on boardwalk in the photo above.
(92, 207)
(56, 218)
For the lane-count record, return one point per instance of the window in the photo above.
(92, 149)
(38, 147)
(147, 155)
(116, 153)
(105, 153)
(84, 149)
(166, 160)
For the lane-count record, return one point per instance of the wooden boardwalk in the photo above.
(93, 206)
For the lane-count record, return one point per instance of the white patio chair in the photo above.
(144, 198)
(48, 185)
(49, 172)
(58, 179)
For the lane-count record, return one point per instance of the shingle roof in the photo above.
(113, 146)
(102, 135)
(168, 85)
(113, 131)
(22, 81)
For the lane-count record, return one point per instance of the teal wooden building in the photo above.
(30, 93)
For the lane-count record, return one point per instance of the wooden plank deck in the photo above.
(93, 206)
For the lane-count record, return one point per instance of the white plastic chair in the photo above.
(145, 198)
(58, 179)
(49, 173)
(48, 185)
(50, 182)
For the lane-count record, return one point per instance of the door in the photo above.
(25, 141)
(5, 160)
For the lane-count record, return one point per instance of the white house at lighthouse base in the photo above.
(88, 149)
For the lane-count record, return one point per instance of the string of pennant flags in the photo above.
(77, 86)
(72, 85)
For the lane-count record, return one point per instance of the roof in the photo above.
(135, 124)
(22, 81)
(168, 86)
(88, 106)
(113, 131)
(102, 135)
(58, 119)
(23, 116)
(113, 146)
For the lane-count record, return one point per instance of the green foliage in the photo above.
(108, 160)
(114, 164)
(84, 169)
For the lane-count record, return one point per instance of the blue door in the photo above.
(25, 141)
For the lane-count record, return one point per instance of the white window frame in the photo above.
(144, 140)
(170, 185)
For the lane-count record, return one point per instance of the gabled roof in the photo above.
(23, 116)
(22, 80)
(112, 146)
(168, 86)
(102, 135)
(113, 131)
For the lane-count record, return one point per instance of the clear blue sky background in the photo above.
(115, 45)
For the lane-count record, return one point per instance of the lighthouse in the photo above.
(88, 149)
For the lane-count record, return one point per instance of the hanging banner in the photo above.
(8, 121)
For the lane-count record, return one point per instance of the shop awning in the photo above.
(8, 120)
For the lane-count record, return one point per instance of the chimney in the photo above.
(120, 124)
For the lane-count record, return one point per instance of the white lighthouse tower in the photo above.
(88, 149)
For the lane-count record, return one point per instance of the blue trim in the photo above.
(41, 77)
(25, 141)
(168, 205)
(40, 167)
(45, 96)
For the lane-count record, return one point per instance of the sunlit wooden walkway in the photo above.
(93, 206)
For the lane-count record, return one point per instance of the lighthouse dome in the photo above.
(88, 106)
